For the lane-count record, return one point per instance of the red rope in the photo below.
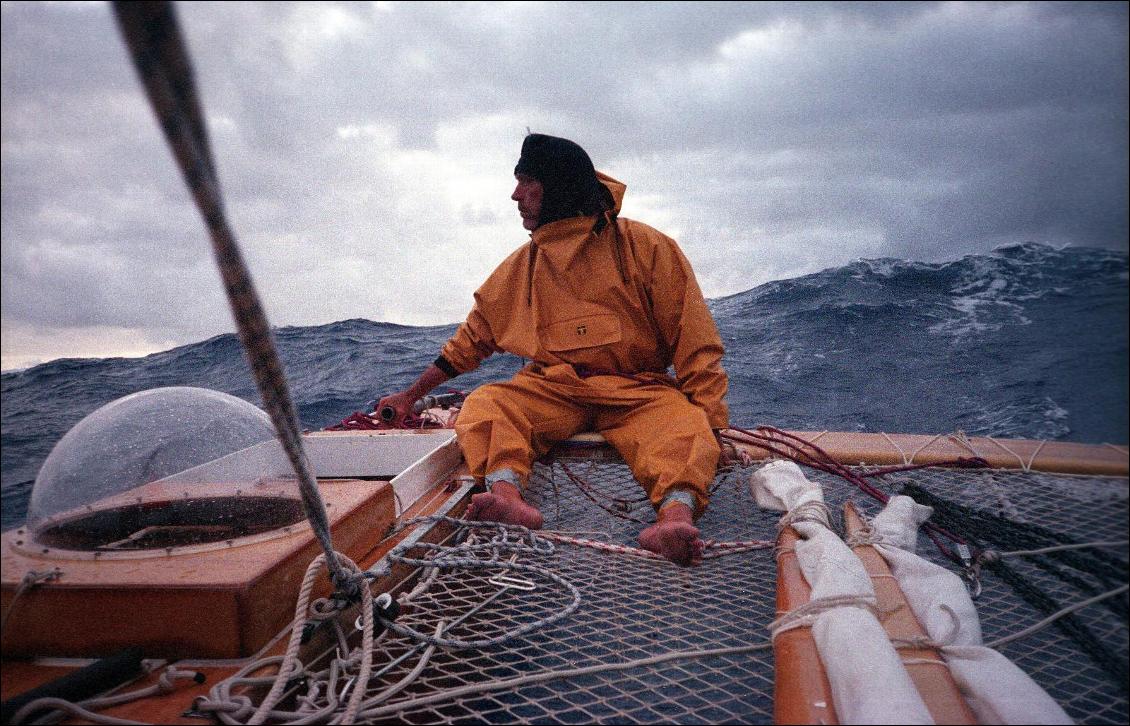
(358, 421)
(589, 491)
(805, 452)
(711, 548)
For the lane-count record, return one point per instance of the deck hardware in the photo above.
(384, 607)
(513, 583)
(193, 713)
(971, 570)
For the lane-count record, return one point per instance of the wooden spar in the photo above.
(933, 680)
(801, 693)
(853, 447)
(1064, 457)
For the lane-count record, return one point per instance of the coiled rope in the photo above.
(499, 550)
(154, 39)
(469, 556)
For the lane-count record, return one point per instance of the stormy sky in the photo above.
(366, 149)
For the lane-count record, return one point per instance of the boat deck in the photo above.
(609, 636)
(634, 608)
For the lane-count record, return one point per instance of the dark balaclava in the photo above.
(567, 176)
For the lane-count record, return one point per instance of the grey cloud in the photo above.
(776, 137)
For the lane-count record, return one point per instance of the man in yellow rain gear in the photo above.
(602, 306)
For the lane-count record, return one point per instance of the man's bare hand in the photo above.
(399, 403)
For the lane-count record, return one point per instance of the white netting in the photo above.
(633, 609)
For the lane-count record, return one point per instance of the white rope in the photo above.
(816, 438)
(232, 709)
(989, 556)
(960, 438)
(863, 538)
(446, 558)
(923, 447)
(30, 579)
(905, 460)
(810, 511)
(59, 704)
(1056, 616)
(86, 708)
(805, 615)
(287, 669)
(404, 682)
(1026, 466)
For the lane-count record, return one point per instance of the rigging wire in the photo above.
(159, 53)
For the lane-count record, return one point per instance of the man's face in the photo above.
(528, 194)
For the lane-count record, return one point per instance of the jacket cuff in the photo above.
(443, 364)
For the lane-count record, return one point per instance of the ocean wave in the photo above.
(1028, 341)
(1041, 418)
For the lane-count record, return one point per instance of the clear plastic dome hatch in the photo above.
(95, 491)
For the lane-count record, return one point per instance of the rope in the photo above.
(30, 579)
(1056, 616)
(232, 709)
(863, 538)
(621, 504)
(794, 448)
(990, 555)
(1024, 466)
(926, 445)
(712, 548)
(358, 421)
(898, 448)
(86, 709)
(496, 685)
(1001, 531)
(805, 615)
(464, 557)
(915, 642)
(959, 437)
(811, 511)
(290, 659)
(908, 461)
(509, 683)
(152, 33)
(59, 704)
(982, 527)
(721, 549)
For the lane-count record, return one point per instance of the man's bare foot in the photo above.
(504, 504)
(674, 536)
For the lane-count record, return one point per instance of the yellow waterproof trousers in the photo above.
(664, 438)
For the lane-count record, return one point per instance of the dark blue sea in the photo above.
(1027, 341)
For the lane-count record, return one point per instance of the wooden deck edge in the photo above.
(879, 449)
(801, 692)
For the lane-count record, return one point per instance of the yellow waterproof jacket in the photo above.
(623, 300)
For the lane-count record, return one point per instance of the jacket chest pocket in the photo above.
(586, 331)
